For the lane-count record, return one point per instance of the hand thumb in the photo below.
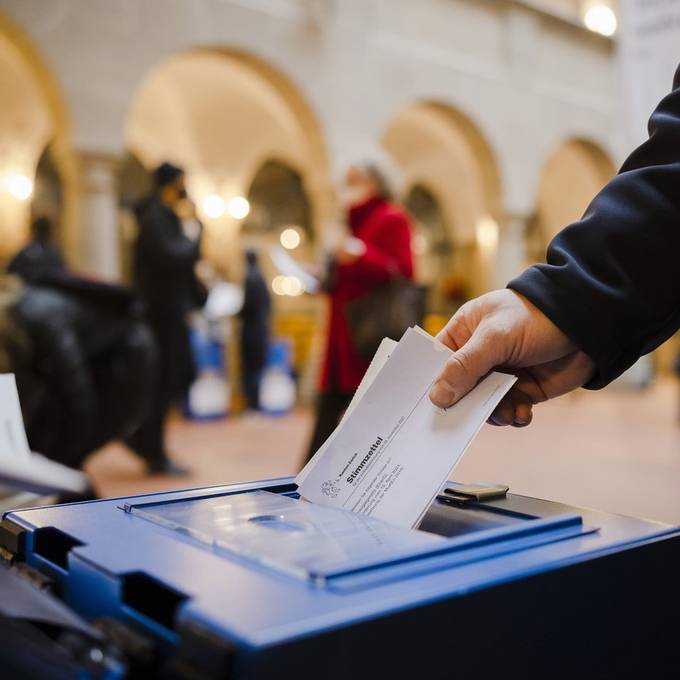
(464, 369)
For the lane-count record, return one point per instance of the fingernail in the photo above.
(441, 393)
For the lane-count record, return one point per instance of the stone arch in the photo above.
(34, 128)
(572, 174)
(221, 113)
(440, 147)
(277, 199)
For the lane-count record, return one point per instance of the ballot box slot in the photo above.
(449, 519)
(543, 529)
(369, 578)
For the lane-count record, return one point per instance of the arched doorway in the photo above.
(281, 215)
(453, 177)
(48, 189)
(278, 200)
(432, 244)
(37, 172)
(222, 115)
(572, 175)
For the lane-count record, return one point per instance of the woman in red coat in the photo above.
(379, 247)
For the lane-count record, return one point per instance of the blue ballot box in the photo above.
(248, 581)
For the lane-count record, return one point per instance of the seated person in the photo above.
(39, 257)
(85, 363)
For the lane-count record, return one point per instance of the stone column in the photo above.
(99, 237)
(511, 254)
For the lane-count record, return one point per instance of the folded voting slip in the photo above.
(393, 449)
(19, 467)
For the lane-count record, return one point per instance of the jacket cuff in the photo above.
(570, 312)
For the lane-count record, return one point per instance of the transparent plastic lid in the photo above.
(293, 536)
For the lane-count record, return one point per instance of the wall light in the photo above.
(213, 206)
(18, 186)
(287, 285)
(600, 18)
(294, 286)
(290, 238)
(278, 284)
(238, 207)
(487, 233)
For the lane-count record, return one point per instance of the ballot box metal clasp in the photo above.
(478, 492)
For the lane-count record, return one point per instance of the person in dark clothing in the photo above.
(165, 253)
(84, 361)
(39, 257)
(608, 293)
(255, 328)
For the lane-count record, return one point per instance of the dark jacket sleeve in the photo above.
(612, 280)
(164, 242)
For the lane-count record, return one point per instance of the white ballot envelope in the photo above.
(394, 449)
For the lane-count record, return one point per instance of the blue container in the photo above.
(545, 589)
(277, 386)
(208, 396)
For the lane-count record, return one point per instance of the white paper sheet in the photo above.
(19, 467)
(381, 356)
(13, 443)
(394, 449)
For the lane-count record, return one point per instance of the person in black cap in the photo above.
(166, 250)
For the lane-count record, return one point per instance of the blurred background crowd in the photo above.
(195, 194)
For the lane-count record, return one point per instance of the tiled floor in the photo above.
(616, 450)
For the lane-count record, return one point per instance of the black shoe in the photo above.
(167, 467)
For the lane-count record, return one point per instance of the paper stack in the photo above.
(393, 449)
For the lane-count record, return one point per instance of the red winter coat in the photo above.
(386, 232)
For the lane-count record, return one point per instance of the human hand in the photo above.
(349, 250)
(186, 209)
(503, 330)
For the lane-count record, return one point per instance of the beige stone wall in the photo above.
(310, 80)
(478, 100)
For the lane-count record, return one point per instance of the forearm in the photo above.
(611, 280)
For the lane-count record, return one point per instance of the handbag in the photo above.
(386, 311)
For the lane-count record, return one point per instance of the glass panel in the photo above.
(287, 534)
